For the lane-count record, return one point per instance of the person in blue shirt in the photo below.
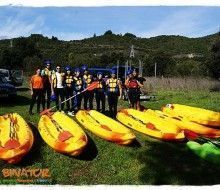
(68, 86)
(77, 89)
(114, 91)
(88, 96)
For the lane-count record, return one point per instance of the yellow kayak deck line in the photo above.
(105, 127)
(14, 130)
(149, 128)
(186, 124)
(50, 127)
(194, 114)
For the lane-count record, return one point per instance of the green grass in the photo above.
(147, 161)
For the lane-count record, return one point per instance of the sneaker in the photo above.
(70, 113)
(62, 111)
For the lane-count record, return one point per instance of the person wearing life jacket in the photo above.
(47, 71)
(88, 95)
(68, 85)
(77, 89)
(134, 86)
(114, 91)
(37, 87)
(129, 75)
(57, 87)
(100, 93)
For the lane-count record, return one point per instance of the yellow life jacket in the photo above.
(112, 85)
(100, 84)
(69, 80)
(47, 72)
(78, 83)
(87, 79)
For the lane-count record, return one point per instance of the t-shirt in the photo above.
(37, 82)
(59, 80)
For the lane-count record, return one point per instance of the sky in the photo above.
(73, 23)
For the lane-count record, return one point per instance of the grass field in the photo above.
(147, 161)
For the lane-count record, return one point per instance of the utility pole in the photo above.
(140, 68)
(117, 67)
(155, 70)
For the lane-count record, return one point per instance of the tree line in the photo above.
(106, 50)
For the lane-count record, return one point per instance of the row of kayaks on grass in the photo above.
(64, 135)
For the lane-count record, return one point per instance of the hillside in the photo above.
(101, 50)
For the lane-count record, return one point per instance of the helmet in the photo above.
(77, 70)
(99, 73)
(113, 71)
(53, 97)
(84, 67)
(48, 61)
(68, 68)
(129, 72)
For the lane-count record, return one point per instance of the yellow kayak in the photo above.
(148, 128)
(62, 133)
(16, 138)
(186, 124)
(105, 127)
(147, 117)
(197, 115)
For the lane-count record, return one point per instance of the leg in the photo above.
(62, 96)
(67, 95)
(43, 102)
(85, 100)
(48, 91)
(79, 101)
(56, 91)
(103, 102)
(39, 99)
(115, 104)
(33, 100)
(91, 96)
(110, 101)
(97, 98)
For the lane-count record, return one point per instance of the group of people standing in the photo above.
(56, 85)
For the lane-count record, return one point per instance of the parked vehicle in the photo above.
(14, 77)
(7, 90)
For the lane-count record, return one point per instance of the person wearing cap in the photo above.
(57, 87)
(134, 86)
(47, 72)
(36, 86)
(114, 91)
(68, 85)
(88, 95)
(77, 89)
(100, 93)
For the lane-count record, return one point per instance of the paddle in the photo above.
(195, 137)
(63, 135)
(12, 143)
(92, 86)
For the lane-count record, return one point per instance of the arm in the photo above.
(140, 85)
(31, 85)
(120, 89)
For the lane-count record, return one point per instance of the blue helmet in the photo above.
(48, 61)
(99, 73)
(84, 67)
(77, 70)
(68, 68)
(113, 71)
(129, 72)
(53, 98)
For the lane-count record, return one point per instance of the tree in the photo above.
(129, 35)
(108, 32)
